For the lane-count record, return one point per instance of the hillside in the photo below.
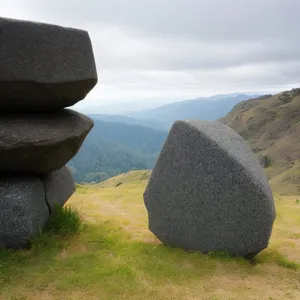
(271, 126)
(128, 120)
(115, 256)
(114, 148)
(210, 108)
(140, 176)
(138, 138)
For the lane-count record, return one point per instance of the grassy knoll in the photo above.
(114, 256)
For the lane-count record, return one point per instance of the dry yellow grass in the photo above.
(267, 280)
(272, 128)
(117, 257)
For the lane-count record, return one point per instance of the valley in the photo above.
(269, 124)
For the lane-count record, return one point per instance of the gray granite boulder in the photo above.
(23, 210)
(59, 186)
(208, 192)
(43, 66)
(40, 143)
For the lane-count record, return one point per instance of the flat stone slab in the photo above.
(59, 186)
(43, 66)
(208, 192)
(40, 143)
(23, 210)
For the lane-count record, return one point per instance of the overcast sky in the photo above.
(157, 51)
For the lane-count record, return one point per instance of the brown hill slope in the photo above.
(271, 126)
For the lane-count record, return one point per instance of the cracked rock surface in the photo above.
(27, 201)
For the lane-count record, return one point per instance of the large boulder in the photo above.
(59, 186)
(23, 210)
(40, 143)
(43, 67)
(208, 192)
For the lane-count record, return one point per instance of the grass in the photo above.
(64, 220)
(271, 128)
(115, 256)
(287, 181)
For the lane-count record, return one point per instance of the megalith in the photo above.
(44, 68)
(208, 192)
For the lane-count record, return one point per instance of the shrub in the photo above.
(64, 220)
(265, 161)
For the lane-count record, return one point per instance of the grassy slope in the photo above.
(129, 177)
(116, 257)
(272, 127)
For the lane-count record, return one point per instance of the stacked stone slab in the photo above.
(43, 69)
(208, 192)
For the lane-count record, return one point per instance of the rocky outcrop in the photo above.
(44, 69)
(43, 66)
(23, 210)
(208, 192)
(59, 187)
(41, 143)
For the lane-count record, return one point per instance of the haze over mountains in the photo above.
(162, 117)
(120, 143)
(209, 108)
(269, 123)
(113, 148)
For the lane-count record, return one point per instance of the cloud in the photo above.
(177, 49)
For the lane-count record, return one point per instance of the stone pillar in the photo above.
(44, 69)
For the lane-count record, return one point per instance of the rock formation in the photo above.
(42, 142)
(208, 192)
(44, 69)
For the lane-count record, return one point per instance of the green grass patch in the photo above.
(81, 189)
(112, 256)
(286, 263)
(294, 235)
(64, 221)
(226, 257)
(278, 258)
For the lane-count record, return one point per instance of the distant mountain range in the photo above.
(128, 120)
(120, 143)
(209, 108)
(113, 148)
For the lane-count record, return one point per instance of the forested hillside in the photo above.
(128, 120)
(270, 124)
(114, 148)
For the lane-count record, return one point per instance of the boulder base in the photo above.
(23, 210)
(59, 186)
(40, 143)
(208, 192)
(43, 66)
